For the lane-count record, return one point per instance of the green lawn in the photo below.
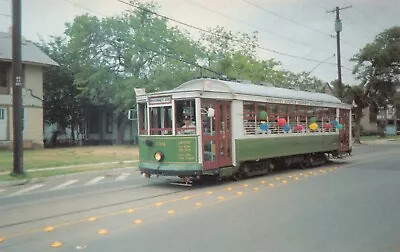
(44, 158)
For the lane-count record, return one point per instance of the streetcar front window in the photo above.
(185, 116)
(161, 120)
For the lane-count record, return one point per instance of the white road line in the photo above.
(69, 182)
(122, 176)
(25, 190)
(95, 180)
(2, 190)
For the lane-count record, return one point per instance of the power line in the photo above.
(321, 5)
(84, 7)
(218, 35)
(178, 59)
(288, 19)
(295, 22)
(206, 31)
(330, 57)
(362, 13)
(258, 28)
(345, 18)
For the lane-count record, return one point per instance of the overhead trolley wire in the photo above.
(257, 28)
(362, 13)
(206, 31)
(295, 22)
(218, 35)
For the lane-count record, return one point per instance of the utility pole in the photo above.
(338, 29)
(17, 87)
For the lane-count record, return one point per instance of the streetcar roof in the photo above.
(222, 86)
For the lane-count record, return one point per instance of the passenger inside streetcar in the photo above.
(188, 123)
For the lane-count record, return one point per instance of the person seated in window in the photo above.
(187, 120)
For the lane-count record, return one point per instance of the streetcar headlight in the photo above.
(158, 156)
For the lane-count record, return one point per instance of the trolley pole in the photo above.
(17, 88)
(338, 29)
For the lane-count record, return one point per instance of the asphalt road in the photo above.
(349, 206)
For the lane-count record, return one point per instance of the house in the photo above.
(100, 127)
(327, 89)
(371, 117)
(34, 60)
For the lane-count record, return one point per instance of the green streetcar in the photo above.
(212, 127)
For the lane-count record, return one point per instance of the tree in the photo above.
(378, 68)
(357, 96)
(218, 44)
(302, 81)
(134, 49)
(234, 55)
(103, 60)
(361, 101)
(61, 102)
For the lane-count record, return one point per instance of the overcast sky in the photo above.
(297, 27)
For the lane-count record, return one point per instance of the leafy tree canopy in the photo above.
(103, 59)
(378, 66)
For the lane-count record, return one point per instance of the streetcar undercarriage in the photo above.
(260, 167)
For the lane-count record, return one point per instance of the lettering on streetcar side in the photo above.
(185, 151)
(161, 143)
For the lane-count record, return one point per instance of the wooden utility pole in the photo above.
(17, 88)
(338, 29)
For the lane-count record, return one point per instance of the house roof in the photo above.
(31, 54)
(327, 84)
(256, 90)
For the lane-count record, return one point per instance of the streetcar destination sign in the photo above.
(160, 100)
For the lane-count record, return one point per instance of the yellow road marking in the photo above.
(26, 232)
(56, 244)
(48, 229)
(102, 232)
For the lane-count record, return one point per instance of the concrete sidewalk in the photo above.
(378, 141)
(33, 180)
(104, 172)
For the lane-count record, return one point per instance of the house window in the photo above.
(2, 114)
(372, 114)
(94, 121)
(3, 75)
(109, 122)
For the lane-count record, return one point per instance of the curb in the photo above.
(75, 166)
(43, 179)
(37, 180)
(378, 141)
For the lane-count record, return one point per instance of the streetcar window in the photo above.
(295, 116)
(261, 107)
(185, 117)
(249, 115)
(161, 120)
(143, 118)
(301, 118)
